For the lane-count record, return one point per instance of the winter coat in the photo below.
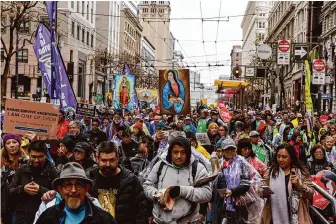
(26, 204)
(131, 203)
(170, 176)
(316, 166)
(93, 215)
(306, 192)
(278, 138)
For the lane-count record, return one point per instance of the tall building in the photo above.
(155, 20)
(195, 80)
(178, 59)
(148, 71)
(236, 59)
(77, 24)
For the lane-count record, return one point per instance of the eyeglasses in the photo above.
(68, 185)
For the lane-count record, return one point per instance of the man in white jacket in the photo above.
(179, 171)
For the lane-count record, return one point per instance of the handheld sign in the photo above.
(225, 115)
(84, 109)
(201, 132)
(326, 180)
(22, 116)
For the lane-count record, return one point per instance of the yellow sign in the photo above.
(204, 101)
(309, 102)
(147, 95)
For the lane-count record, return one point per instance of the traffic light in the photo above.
(236, 71)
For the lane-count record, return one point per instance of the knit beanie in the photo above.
(139, 125)
(212, 125)
(12, 136)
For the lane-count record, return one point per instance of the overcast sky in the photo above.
(192, 30)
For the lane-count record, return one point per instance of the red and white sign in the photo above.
(324, 119)
(284, 47)
(326, 180)
(318, 77)
(221, 104)
(225, 114)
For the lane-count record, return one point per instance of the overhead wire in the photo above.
(220, 6)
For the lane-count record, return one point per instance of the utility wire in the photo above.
(220, 6)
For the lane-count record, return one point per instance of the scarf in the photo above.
(279, 199)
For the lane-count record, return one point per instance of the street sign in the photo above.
(283, 52)
(249, 71)
(325, 96)
(300, 52)
(264, 51)
(297, 103)
(319, 66)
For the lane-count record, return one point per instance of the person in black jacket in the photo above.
(75, 206)
(76, 134)
(96, 134)
(30, 182)
(118, 189)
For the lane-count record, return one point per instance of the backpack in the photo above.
(193, 170)
(138, 164)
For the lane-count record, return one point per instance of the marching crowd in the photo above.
(143, 167)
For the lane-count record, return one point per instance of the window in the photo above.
(261, 25)
(78, 32)
(145, 2)
(91, 15)
(262, 14)
(22, 56)
(71, 55)
(91, 40)
(73, 28)
(87, 11)
(72, 4)
(161, 11)
(153, 10)
(82, 8)
(145, 10)
(87, 38)
(24, 27)
(161, 2)
(77, 6)
(2, 55)
(83, 35)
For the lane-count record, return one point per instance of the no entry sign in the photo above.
(283, 52)
(319, 66)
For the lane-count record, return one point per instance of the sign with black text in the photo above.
(84, 109)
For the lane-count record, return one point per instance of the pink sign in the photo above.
(324, 119)
(221, 104)
(326, 180)
(225, 115)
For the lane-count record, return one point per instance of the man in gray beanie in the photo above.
(75, 207)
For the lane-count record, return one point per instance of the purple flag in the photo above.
(55, 79)
(42, 48)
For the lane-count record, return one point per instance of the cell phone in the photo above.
(267, 190)
(293, 173)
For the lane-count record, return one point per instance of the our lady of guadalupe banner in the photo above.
(124, 91)
(147, 95)
(174, 86)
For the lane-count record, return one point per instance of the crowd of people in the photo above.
(144, 167)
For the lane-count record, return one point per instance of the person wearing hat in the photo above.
(235, 179)
(30, 182)
(64, 151)
(82, 155)
(259, 148)
(245, 150)
(215, 118)
(178, 172)
(125, 199)
(188, 126)
(75, 206)
(138, 130)
(12, 157)
(213, 136)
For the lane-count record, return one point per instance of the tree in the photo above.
(13, 15)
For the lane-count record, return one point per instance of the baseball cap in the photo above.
(188, 118)
(82, 147)
(228, 143)
(254, 133)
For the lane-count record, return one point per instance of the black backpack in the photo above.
(138, 164)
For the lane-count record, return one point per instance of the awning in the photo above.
(230, 83)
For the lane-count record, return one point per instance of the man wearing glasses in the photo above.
(30, 182)
(75, 206)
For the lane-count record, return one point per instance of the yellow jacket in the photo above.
(202, 150)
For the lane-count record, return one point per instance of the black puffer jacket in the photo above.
(93, 215)
(26, 204)
(132, 205)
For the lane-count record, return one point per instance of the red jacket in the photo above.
(62, 128)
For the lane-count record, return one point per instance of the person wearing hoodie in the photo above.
(179, 172)
(281, 136)
(296, 142)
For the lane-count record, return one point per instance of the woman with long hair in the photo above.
(291, 186)
(173, 92)
(318, 160)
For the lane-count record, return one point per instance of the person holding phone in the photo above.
(291, 184)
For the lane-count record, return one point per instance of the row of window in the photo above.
(329, 21)
(153, 10)
(261, 25)
(153, 2)
(21, 56)
(80, 34)
(81, 9)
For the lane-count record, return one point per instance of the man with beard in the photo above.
(76, 134)
(75, 206)
(126, 200)
(96, 134)
(117, 123)
(30, 182)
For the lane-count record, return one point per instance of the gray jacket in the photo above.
(171, 176)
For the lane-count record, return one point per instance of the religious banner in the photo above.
(174, 86)
(124, 91)
(327, 180)
(150, 96)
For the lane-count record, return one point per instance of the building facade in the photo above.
(148, 56)
(154, 18)
(236, 58)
